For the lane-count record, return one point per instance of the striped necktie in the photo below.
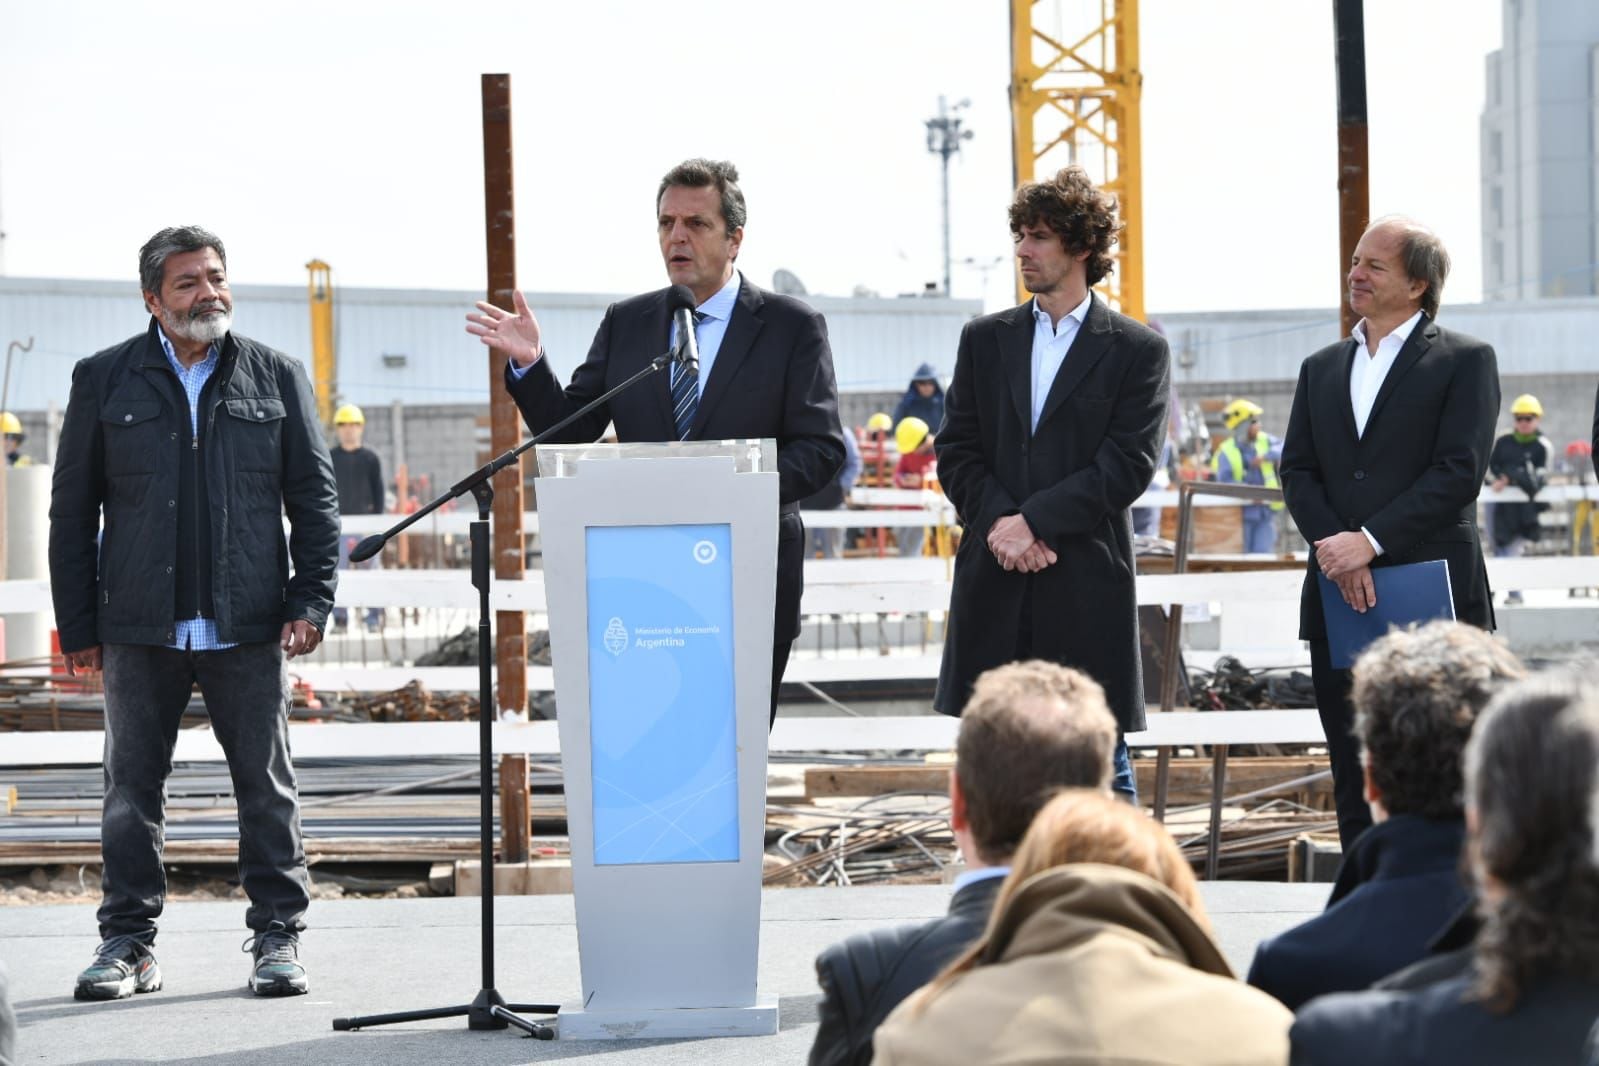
(685, 390)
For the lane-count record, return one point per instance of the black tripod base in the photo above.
(488, 1011)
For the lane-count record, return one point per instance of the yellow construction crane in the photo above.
(1075, 99)
(324, 365)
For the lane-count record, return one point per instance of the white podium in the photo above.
(659, 567)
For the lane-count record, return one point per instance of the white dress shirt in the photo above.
(1050, 342)
(1370, 369)
(1367, 373)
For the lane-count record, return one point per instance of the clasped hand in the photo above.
(1012, 541)
(1346, 560)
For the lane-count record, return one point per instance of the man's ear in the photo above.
(150, 301)
(958, 819)
(1373, 794)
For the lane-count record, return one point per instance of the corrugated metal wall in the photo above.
(1530, 337)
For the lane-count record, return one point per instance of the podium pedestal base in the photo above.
(643, 1023)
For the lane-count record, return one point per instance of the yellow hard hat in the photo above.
(10, 425)
(880, 422)
(349, 414)
(910, 433)
(1240, 411)
(1526, 404)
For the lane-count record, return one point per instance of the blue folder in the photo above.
(1410, 592)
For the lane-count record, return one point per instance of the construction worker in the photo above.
(915, 464)
(11, 427)
(1519, 458)
(878, 463)
(1249, 456)
(1579, 454)
(360, 476)
(924, 399)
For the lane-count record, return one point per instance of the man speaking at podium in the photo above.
(765, 369)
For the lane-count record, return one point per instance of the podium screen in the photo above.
(663, 732)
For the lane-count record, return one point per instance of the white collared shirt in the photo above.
(1367, 372)
(1369, 369)
(982, 873)
(1050, 343)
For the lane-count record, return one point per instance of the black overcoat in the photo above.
(1093, 454)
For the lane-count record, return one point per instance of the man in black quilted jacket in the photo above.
(1029, 729)
(182, 450)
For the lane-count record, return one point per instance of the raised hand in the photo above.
(516, 335)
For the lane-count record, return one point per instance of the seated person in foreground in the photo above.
(1417, 694)
(1531, 994)
(1029, 729)
(1098, 952)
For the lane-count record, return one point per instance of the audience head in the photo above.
(1029, 729)
(1085, 826)
(1079, 825)
(1531, 771)
(1417, 693)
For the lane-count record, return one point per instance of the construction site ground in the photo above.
(370, 956)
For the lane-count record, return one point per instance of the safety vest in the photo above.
(1235, 459)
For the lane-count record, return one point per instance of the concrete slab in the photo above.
(373, 956)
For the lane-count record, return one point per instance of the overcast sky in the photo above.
(350, 131)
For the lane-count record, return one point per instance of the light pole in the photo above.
(944, 137)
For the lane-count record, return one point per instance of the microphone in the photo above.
(680, 301)
(368, 548)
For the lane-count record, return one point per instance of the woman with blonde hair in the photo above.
(1098, 950)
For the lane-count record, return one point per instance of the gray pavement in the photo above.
(372, 956)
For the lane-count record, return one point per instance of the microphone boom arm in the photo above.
(374, 544)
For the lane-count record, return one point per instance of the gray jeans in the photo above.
(147, 689)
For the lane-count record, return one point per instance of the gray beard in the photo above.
(204, 329)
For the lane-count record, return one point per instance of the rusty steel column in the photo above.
(1354, 173)
(505, 433)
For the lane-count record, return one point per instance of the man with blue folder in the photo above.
(1385, 452)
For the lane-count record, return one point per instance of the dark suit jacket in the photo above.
(1094, 453)
(1442, 1023)
(866, 976)
(1398, 886)
(773, 377)
(1596, 432)
(1413, 479)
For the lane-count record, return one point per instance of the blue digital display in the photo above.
(662, 724)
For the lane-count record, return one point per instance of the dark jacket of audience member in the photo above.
(1531, 994)
(868, 975)
(913, 404)
(1417, 693)
(1098, 952)
(1030, 729)
(1448, 955)
(1398, 887)
(1443, 1023)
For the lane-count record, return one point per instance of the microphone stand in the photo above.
(488, 1010)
